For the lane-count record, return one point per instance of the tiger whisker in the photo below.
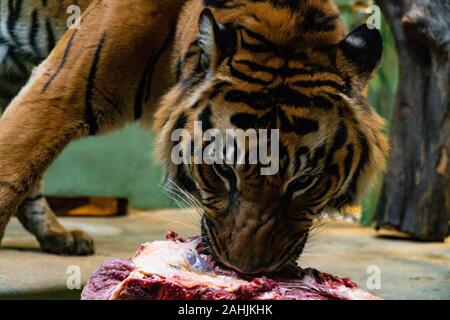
(186, 202)
(172, 223)
(185, 193)
(182, 203)
(187, 197)
(196, 203)
(178, 200)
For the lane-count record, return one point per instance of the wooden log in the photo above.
(416, 193)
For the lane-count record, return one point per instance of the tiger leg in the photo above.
(33, 131)
(34, 212)
(36, 216)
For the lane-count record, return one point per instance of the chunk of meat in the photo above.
(176, 269)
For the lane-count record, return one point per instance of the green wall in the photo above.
(117, 164)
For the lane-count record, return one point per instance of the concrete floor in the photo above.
(409, 270)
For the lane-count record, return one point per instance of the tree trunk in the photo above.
(416, 193)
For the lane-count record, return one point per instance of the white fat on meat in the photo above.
(168, 259)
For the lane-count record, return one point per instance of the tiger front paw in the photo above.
(73, 243)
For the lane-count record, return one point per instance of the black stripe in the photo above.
(158, 55)
(298, 184)
(259, 37)
(205, 118)
(255, 67)
(339, 140)
(319, 153)
(140, 93)
(63, 62)
(333, 170)
(318, 83)
(349, 159)
(34, 30)
(69, 45)
(14, 15)
(193, 51)
(322, 102)
(184, 180)
(290, 4)
(315, 20)
(228, 174)
(254, 100)
(255, 48)
(208, 187)
(282, 95)
(326, 23)
(324, 192)
(290, 97)
(210, 206)
(244, 121)
(299, 125)
(303, 126)
(89, 109)
(263, 45)
(299, 153)
(220, 4)
(218, 88)
(178, 70)
(364, 158)
(244, 77)
(144, 89)
(181, 122)
(313, 160)
(51, 39)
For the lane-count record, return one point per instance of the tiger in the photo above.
(284, 65)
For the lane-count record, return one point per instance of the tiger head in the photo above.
(285, 65)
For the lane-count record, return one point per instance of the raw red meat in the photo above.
(176, 269)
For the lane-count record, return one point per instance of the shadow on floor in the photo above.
(54, 295)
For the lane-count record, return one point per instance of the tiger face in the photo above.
(281, 65)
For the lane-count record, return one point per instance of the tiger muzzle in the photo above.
(253, 246)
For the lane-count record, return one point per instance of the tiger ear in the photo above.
(359, 54)
(216, 40)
